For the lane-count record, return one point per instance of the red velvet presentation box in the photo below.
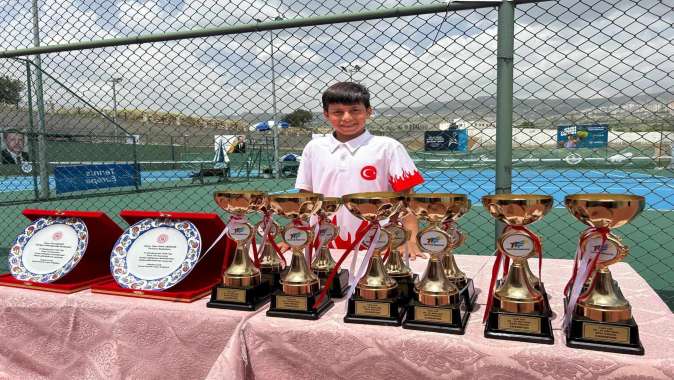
(95, 264)
(205, 275)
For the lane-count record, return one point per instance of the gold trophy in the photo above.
(517, 310)
(375, 300)
(438, 304)
(599, 317)
(299, 285)
(323, 262)
(270, 263)
(395, 265)
(455, 275)
(242, 287)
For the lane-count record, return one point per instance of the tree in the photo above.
(298, 118)
(10, 90)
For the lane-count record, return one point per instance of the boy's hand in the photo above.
(283, 246)
(414, 251)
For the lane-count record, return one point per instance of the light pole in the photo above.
(114, 82)
(350, 69)
(275, 134)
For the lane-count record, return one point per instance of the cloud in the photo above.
(611, 49)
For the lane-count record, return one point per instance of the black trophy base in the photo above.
(405, 287)
(619, 337)
(529, 327)
(385, 312)
(247, 299)
(469, 295)
(273, 277)
(340, 284)
(448, 319)
(297, 307)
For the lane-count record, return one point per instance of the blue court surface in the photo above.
(658, 190)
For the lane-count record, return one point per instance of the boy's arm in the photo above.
(403, 176)
(411, 223)
(303, 181)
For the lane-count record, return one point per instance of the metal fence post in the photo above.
(42, 138)
(31, 128)
(504, 101)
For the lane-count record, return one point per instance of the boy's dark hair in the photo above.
(346, 93)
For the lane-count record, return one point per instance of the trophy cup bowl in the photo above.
(375, 300)
(440, 303)
(240, 202)
(299, 285)
(295, 206)
(438, 208)
(242, 287)
(605, 210)
(329, 206)
(602, 318)
(375, 206)
(517, 209)
(395, 265)
(521, 310)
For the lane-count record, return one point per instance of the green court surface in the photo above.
(650, 248)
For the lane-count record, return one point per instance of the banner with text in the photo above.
(97, 176)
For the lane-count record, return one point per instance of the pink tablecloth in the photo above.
(85, 335)
(96, 336)
(328, 348)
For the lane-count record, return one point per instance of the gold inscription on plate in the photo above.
(518, 323)
(291, 303)
(231, 295)
(373, 309)
(603, 333)
(431, 314)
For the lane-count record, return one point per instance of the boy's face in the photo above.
(348, 120)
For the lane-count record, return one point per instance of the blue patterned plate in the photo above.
(155, 254)
(60, 242)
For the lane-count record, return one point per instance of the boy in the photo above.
(351, 160)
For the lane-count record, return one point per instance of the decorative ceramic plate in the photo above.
(155, 254)
(48, 249)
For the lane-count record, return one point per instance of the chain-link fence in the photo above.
(593, 104)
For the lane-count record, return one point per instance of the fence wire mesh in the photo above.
(168, 109)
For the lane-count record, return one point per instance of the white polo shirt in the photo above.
(363, 164)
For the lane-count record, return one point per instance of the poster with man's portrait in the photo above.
(14, 150)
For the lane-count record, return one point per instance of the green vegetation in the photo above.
(10, 90)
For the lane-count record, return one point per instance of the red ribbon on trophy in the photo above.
(501, 257)
(256, 256)
(492, 283)
(360, 235)
(584, 266)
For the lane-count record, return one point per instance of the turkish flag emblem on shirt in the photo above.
(369, 173)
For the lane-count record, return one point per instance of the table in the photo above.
(86, 335)
(328, 348)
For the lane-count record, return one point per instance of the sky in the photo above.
(563, 49)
